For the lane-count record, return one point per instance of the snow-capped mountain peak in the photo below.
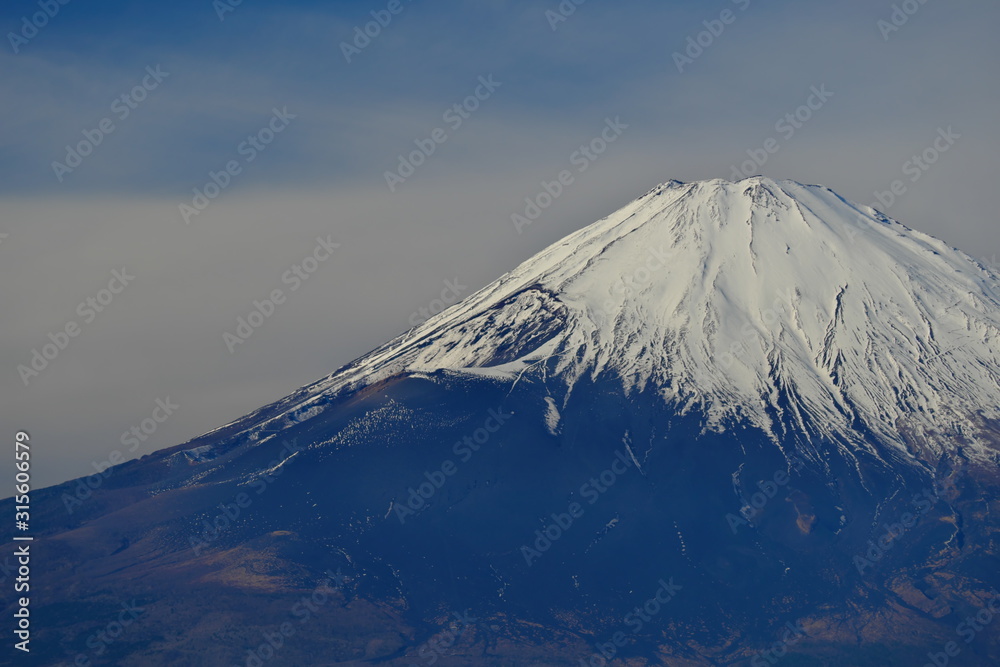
(774, 302)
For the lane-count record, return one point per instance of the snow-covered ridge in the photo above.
(776, 302)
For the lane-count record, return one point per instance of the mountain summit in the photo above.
(731, 422)
(771, 301)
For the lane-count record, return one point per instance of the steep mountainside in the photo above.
(732, 423)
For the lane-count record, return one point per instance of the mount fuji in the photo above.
(739, 423)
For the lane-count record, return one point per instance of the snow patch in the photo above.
(551, 416)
